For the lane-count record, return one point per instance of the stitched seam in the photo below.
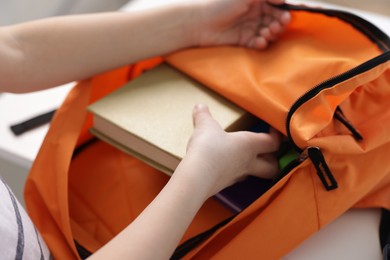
(313, 175)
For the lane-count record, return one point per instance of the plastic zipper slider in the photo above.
(323, 171)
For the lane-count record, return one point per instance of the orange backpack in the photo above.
(325, 85)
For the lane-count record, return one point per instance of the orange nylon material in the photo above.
(46, 190)
(313, 48)
(92, 197)
(101, 209)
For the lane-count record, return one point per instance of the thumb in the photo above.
(201, 116)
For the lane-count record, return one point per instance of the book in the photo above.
(150, 117)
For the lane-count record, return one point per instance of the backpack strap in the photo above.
(32, 123)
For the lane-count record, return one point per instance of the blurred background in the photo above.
(14, 11)
(377, 6)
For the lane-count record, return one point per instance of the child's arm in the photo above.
(50, 52)
(214, 160)
(58, 50)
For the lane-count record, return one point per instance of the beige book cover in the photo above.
(151, 116)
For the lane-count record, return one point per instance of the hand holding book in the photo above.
(150, 118)
(225, 158)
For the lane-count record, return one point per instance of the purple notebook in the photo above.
(240, 195)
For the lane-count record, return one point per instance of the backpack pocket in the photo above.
(342, 115)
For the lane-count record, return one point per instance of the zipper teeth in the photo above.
(330, 83)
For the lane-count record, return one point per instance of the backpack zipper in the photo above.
(375, 34)
(330, 83)
(339, 115)
(315, 153)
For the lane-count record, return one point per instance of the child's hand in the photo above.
(224, 158)
(249, 23)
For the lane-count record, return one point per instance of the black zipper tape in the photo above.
(191, 243)
(372, 32)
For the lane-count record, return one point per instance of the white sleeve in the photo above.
(19, 237)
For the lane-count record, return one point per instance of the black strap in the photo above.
(384, 232)
(386, 252)
(32, 123)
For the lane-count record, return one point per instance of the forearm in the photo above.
(78, 47)
(158, 230)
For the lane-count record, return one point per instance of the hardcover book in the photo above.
(150, 117)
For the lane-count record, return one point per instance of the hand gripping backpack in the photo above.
(325, 85)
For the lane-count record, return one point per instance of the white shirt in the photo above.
(19, 237)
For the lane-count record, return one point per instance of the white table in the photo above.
(15, 108)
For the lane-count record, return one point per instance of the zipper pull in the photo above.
(323, 171)
(339, 115)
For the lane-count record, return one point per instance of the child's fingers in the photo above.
(276, 135)
(266, 166)
(258, 43)
(275, 1)
(262, 143)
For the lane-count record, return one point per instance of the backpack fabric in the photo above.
(81, 192)
(325, 84)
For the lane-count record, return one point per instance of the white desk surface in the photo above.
(15, 108)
